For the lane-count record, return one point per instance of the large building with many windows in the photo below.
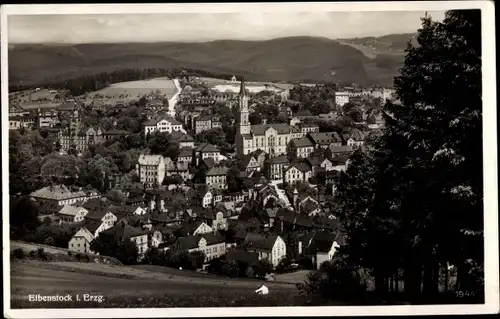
(270, 138)
(151, 169)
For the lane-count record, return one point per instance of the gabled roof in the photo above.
(245, 159)
(92, 225)
(357, 135)
(260, 241)
(206, 148)
(188, 242)
(280, 128)
(339, 160)
(191, 227)
(185, 138)
(95, 203)
(303, 167)
(217, 171)
(324, 138)
(123, 230)
(308, 125)
(213, 238)
(69, 210)
(302, 142)
(97, 214)
(314, 160)
(185, 152)
(203, 118)
(151, 122)
(208, 162)
(58, 192)
(341, 149)
(278, 160)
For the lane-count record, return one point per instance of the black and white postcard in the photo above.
(278, 159)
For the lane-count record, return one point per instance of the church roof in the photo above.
(260, 129)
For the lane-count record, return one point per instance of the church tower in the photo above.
(243, 123)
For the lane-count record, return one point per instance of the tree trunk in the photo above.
(446, 274)
(395, 283)
(412, 280)
(380, 284)
(431, 278)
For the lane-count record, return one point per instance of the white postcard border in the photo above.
(492, 299)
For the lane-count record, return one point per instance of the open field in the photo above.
(119, 284)
(132, 90)
(295, 277)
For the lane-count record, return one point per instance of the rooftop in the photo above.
(217, 170)
(278, 160)
(150, 159)
(260, 241)
(123, 230)
(302, 142)
(58, 192)
(280, 128)
(70, 210)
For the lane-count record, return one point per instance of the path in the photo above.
(173, 101)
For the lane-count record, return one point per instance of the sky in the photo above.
(198, 27)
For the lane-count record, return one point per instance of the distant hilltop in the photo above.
(306, 59)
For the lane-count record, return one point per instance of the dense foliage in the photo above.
(413, 206)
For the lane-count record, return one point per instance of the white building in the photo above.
(270, 138)
(151, 169)
(72, 214)
(163, 125)
(271, 247)
(80, 242)
(341, 98)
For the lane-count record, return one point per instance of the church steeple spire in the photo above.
(242, 87)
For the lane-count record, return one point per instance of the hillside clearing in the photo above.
(161, 289)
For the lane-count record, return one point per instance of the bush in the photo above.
(42, 254)
(283, 265)
(19, 253)
(70, 253)
(334, 280)
(305, 262)
(78, 256)
(33, 253)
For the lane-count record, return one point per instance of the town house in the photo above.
(297, 172)
(306, 128)
(325, 139)
(213, 245)
(72, 214)
(80, 242)
(123, 231)
(270, 247)
(202, 124)
(275, 167)
(249, 163)
(151, 169)
(301, 147)
(51, 198)
(185, 155)
(216, 177)
(206, 150)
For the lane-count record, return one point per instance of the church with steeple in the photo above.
(270, 138)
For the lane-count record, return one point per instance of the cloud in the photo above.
(208, 26)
